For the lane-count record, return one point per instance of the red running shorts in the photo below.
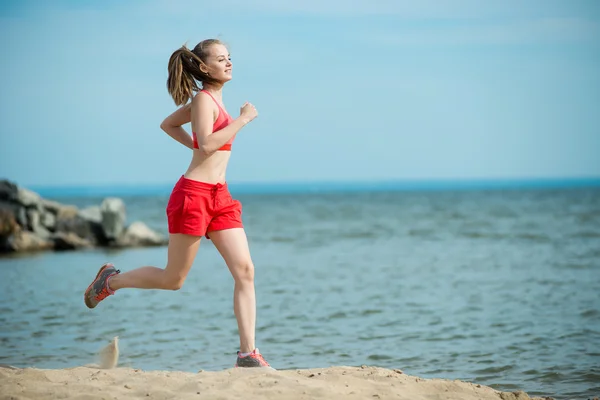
(197, 208)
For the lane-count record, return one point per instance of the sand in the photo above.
(332, 383)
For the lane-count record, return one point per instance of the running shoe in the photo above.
(98, 289)
(252, 360)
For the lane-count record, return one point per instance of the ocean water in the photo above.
(497, 287)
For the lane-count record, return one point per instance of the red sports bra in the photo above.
(223, 119)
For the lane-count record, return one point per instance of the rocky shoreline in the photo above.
(31, 223)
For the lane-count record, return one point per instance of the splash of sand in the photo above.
(109, 355)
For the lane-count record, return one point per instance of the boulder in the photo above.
(69, 220)
(66, 212)
(35, 225)
(25, 241)
(30, 223)
(8, 227)
(29, 198)
(19, 200)
(52, 206)
(18, 211)
(112, 210)
(69, 241)
(9, 192)
(92, 214)
(139, 234)
(48, 220)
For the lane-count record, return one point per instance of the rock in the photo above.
(35, 225)
(66, 212)
(52, 206)
(9, 192)
(21, 216)
(29, 198)
(42, 232)
(139, 234)
(69, 220)
(48, 220)
(8, 227)
(69, 241)
(8, 224)
(23, 241)
(17, 211)
(113, 217)
(33, 219)
(92, 214)
(28, 223)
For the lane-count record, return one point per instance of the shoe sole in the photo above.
(85, 295)
(252, 366)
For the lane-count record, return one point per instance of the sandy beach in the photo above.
(323, 383)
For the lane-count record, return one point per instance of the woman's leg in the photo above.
(232, 244)
(182, 251)
(181, 254)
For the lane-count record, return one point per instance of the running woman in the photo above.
(200, 203)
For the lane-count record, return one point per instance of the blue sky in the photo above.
(346, 90)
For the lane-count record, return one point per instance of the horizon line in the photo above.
(306, 186)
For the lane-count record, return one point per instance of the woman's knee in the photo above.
(244, 272)
(172, 282)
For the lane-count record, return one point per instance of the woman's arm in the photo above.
(172, 125)
(203, 119)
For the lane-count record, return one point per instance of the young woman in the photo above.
(200, 203)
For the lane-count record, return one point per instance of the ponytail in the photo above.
(185, 73)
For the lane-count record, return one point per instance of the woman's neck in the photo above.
(216, 89)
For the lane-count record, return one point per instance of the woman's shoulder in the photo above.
(202, 97)
(203, 103)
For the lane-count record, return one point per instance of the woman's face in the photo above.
(218, 63)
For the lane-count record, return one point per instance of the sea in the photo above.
(494, 284)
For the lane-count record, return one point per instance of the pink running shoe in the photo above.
(252, 360)
(98, 289)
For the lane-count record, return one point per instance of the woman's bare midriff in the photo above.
(211, 169)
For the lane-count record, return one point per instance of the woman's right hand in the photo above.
(248, 112)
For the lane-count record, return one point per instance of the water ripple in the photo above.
(494, 287)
